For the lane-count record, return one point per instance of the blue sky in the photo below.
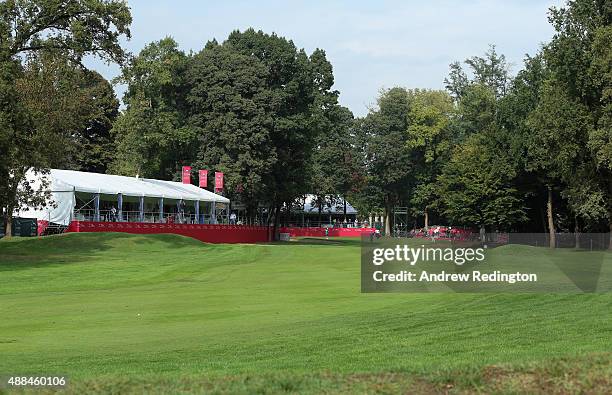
(371, 44)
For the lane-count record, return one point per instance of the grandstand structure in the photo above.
(83, 196)
(92, 202)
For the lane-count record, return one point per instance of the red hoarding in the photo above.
(206, 233)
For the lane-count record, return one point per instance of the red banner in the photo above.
(218, 180)
(203, 176)
(186, 174)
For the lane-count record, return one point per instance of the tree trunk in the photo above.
(9, 224)
(610, 211)
(551, 225)
(388, 210)
(426, 219)
(273, 216)
(387, 224)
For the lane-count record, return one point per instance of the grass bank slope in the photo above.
(167, 312)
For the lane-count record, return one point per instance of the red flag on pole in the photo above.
(203, 176)
(186, 174)
(218, 180)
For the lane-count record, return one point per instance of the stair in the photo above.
(54, 229)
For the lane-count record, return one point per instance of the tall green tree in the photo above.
(297, 91)
(300, 89)
(555, 148)
(95, 148)
(524, 142)
(68, 30)
(477, 186)
(576, 105)
(230, 111)
(430, 141)
(151, 135)
(388, 158)
(335, 170)
(490, 70)
(477, 183)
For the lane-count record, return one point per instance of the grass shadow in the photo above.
(33, 252)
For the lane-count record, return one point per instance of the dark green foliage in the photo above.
(477, 187)
(151, 135)
(252, 107)
(260, 105)
(335, 168)
(430, 138)
(387, 156)
(574, 112)
(491, 152)
(95, 148)
(46, 111)
(230, 112)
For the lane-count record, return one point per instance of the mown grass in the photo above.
(167, 314)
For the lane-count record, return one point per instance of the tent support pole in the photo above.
(141, 209)
(120, 206)
(197, 211)
(213, 213)
(72, 209)
(161, 209)
(97, 207)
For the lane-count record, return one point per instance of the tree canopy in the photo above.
(530, 151)
(47, 104)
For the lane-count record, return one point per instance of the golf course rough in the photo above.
(165, 313)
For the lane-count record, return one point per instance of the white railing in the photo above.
(147, 216)
(318, 224)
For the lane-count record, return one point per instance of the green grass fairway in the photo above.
(163, 313)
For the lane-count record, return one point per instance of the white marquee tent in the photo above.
(66, 185)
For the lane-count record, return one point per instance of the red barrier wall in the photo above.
(333, 232)
(206, 233)
(42, 226)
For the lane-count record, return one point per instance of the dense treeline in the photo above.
(53, 111)
(526, 152)
(254, 107)
(529, 153)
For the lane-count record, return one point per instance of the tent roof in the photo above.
(109, 184)
(336, 206)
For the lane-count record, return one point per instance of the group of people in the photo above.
(442, 232)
